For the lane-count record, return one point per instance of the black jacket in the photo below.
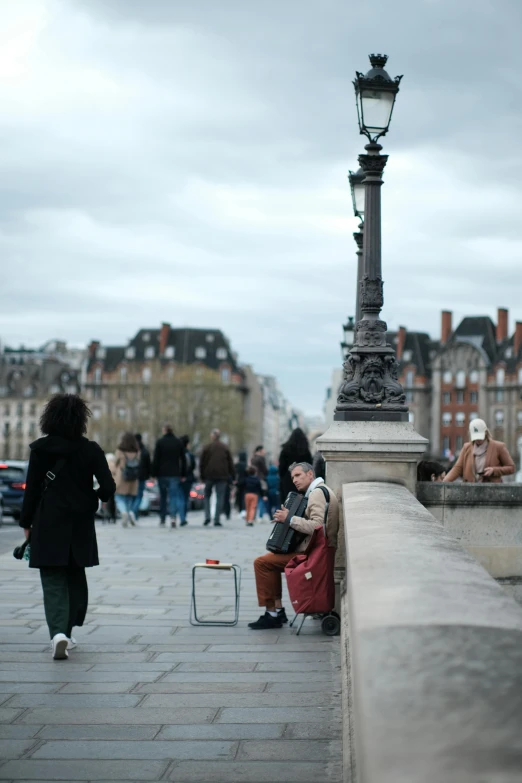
(253, 485)
(286, 458)
(145, 463)
(62, 524)
(169, 457)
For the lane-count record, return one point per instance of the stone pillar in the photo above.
(369, 451)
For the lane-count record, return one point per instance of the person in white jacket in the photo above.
(268, 568)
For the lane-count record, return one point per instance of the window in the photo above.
(7, 410)
(446, 419)
(409, 396)
(121, 413)
(101, 353)
(97, 375)
(170, 352)
(130, 352)
(121, 394)
(149, 352)
(123, 374)
(6, 429)
(500, 376)
(474, 376)
(473, 397)
(225, 375)
(509, 353)
(459, 442)
(499, 418)
(145, 393)
(411, 417)
(406, 356)
(97, 394)
(18, 427)
(460, 397)
(460, 379)
(28, 391)
(447, 376)
(519, 418)
(3, 391)
(54, 389)
(499, 395)
(410, 378)
(473, 415)
(460, 419)
(446, 398)
(32, 429)
(520, 376)
(71, 388)
(146, 337)
(20, 409)
(201, 353)
(221, 353)
(96, 414)
(446, 444)
(210, 338)
(146, 375)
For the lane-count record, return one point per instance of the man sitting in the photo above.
(268, 568)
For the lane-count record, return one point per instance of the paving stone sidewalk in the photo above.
(148, 697)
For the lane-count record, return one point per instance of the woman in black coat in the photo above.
(296, 449)
(58, 513)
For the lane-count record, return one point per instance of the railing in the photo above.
(432, 651)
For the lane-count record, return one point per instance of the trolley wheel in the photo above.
(331, 625)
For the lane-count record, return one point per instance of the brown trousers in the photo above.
(268, 569)
(251, 501)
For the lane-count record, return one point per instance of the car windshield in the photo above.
(11, 474)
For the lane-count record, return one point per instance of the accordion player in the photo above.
(284, 538)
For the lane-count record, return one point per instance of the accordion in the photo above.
(283, 538)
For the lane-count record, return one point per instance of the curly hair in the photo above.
(128, 442)
(66, 415)
(297, 440)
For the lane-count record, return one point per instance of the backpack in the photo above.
(131, 471)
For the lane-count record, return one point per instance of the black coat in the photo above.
(145, 463)
(287, 458)
(169, 457)
(62, 524)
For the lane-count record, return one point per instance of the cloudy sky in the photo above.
(186, 161)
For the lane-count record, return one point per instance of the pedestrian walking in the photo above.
(144, 473)
(186, 486)
(273, 482)
(127, 465)
(482, 459)
(258, 461)
(169, 467)
(253, 494)
(215, 467)
(240, 468)
(296, 449)
(58, 513)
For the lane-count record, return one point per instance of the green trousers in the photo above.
(65, 596)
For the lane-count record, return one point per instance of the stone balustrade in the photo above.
(485, 518)
(432, 650)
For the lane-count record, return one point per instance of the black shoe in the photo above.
(218, 524)
(183, 523)
(266, 621)
(206, 522)
(281, 615)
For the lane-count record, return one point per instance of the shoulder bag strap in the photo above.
(51, 474)
(327, 498)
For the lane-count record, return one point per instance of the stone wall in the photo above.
(485, 518)
(432, 674)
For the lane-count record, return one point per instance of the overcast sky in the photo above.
(186, 161)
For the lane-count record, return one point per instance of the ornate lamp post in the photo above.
(370, 389)
(356, 180)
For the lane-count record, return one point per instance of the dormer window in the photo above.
(221, 353)
(447, 376)
(406, 356)
(130, 352)
(149, 352)
(200, 352)
(474, 376)
(97, 375)
(101, 353)
(146, 337)
(210, 338)
(500, 376)
(170, 352)
(123, 374)
(460, 379)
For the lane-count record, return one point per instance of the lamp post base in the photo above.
(370, 415)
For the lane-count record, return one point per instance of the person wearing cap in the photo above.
(482, 460)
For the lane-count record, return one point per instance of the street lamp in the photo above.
(349, 335)
(370, 389)
(356, 180)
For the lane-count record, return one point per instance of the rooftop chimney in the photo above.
(401, 339)
(518, 338)
(446, 328)
(93, 346)
(502, 324)
(164, 336)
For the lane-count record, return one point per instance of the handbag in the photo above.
(23, 551)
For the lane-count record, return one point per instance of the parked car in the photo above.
(1, 508)
(151, 496)
(12, 486)
(197, 496)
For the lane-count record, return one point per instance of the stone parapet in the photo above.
(432, 673)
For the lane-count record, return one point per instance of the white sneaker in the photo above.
(124, 518)
(132, 518)
(60, 644)
(72, 643)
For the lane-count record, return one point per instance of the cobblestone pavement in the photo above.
(146, 696)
